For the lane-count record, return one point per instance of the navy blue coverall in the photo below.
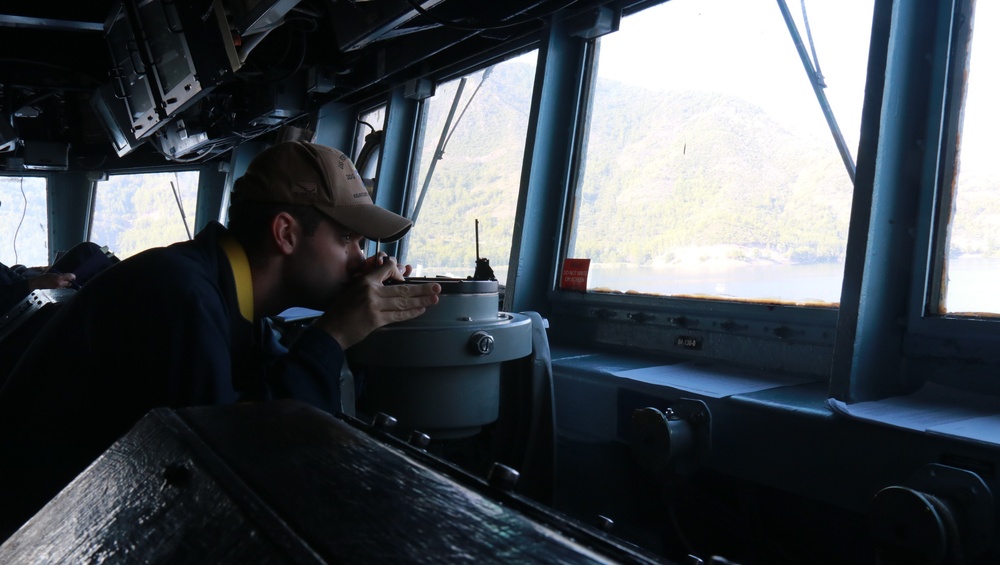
(162, 328)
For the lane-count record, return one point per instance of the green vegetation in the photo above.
(669, 178)
(679, 170)
(137, 212)
(478, 177)
(132, 213)
(667, 174)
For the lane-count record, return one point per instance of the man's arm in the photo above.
(368, 304)
(309, 371)
(51, 280)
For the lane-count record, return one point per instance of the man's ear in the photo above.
(286, 232)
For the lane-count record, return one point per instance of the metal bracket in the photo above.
(922, 516)
(675, 440)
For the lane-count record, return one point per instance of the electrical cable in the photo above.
(364, 123)
(24, 211)
(678, 531)
(370, 148)
(261, 76)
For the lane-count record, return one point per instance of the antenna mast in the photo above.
(483, 270)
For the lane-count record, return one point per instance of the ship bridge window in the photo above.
(135, 212)
(469, 158)
(970, 200)
(952, 314)
(24, 221)
(712, 167)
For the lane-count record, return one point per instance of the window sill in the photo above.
(934, 409)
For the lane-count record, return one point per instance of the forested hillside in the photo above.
(699, 170)
(707, 170)
(133, 213)
(702, 172)
(478, 176)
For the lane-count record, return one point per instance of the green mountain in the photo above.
(664, 170)
(679, 169)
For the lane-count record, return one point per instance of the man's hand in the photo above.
(381, 258)
(368, 304)
(51, 280)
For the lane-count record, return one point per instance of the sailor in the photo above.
(185, 325)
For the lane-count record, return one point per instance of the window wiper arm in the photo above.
(446, 133)
(439, 150)
(818, 84)
(180, 205)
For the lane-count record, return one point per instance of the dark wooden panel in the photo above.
(283, 482)
(145, 500)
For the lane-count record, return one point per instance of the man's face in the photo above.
(324, 263)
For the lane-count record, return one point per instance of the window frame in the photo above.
(772, 336)
(190, 216)
(958, 350)
(415, 176)
(49, 253)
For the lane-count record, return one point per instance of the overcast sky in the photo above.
(743, 47)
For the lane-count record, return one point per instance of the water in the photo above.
(797, 283)
(972, 285)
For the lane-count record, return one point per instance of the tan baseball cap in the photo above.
(297, 172)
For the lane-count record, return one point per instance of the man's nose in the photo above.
(357, 257)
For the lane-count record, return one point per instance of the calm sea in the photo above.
(972, 285)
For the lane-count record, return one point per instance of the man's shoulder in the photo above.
(166, 277)
(191, 260)
(174, 264)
